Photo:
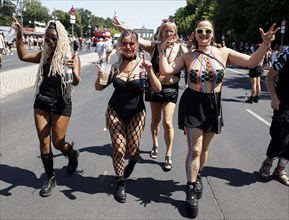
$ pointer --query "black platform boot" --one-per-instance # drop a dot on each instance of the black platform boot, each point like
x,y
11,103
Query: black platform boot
x,y
191,200
46,190
72,156
120,194
199,186
250,99
256,99
129,168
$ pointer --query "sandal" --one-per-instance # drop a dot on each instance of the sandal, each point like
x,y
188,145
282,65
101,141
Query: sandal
x,y
281,177
168,163
264,171
154,152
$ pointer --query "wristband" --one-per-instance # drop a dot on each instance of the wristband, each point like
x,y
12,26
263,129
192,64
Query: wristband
x,y
163,51
266,43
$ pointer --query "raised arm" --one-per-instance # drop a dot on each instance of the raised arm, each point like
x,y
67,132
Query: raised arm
x,y
144,44
244,60
33,57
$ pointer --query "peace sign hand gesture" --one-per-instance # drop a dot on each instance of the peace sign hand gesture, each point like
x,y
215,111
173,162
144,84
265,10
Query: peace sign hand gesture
x,y
270,35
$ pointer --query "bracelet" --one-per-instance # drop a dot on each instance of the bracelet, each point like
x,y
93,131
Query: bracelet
x,y
266,43
163,50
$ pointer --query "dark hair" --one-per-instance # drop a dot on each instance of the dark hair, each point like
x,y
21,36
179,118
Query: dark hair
x,y
52,25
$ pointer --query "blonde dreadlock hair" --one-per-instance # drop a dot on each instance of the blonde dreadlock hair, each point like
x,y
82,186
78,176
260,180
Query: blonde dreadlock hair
x,y
58,59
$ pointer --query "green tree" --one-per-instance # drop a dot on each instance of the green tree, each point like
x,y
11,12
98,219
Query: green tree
x,y
7,8
34,11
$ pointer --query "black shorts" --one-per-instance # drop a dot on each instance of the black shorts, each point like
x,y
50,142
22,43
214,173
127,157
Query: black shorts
x,y
255,72
51,105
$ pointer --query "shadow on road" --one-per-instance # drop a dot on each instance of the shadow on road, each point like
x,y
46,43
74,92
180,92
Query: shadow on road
x,y
235,177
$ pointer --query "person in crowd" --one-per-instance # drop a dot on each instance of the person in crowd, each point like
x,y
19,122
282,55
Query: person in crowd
x,y
279,130
2,48
108,49
100,49
254,75
275,53
126,111
165,101
52,105
88,44
200,113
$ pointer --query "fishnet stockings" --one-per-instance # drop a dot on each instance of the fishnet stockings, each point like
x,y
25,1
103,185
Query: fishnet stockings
x,y
125,137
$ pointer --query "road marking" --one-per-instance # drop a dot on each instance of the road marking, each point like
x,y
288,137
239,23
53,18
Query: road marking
x,y
7,61
234,70
258,117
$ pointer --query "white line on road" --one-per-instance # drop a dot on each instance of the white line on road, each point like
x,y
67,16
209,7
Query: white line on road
x,y
259,118
234,70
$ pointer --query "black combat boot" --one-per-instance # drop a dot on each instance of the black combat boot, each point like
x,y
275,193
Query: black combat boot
x,y
250,99
256,99
46,190
199,186
120,194
72,156
191,200
129,168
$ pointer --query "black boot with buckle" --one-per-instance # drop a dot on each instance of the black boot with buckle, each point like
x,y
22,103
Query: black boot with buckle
x,y
250,99
46,190
199,186
120,194
191,200
72,156
129,168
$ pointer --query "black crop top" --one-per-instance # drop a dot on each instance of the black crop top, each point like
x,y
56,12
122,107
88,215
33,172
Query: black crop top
x,y
51,85
155,62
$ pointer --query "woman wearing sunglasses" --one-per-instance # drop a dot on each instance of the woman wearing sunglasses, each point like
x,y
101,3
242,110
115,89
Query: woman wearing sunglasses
x,y
52,105
201,119
165,101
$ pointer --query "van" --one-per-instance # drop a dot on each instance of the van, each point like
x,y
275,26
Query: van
x,y
115,39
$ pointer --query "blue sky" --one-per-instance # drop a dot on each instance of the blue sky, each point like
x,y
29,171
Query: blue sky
x,y
134,13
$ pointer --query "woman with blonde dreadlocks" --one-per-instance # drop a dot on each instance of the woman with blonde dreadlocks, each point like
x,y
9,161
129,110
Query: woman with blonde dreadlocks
x,y
52,105
126,109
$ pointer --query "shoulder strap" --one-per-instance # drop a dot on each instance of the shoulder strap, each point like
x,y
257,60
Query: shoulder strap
x,y
211,57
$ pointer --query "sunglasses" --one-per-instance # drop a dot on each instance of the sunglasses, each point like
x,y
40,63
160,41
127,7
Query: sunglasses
x,y
125,44
168,20
49,39
204,31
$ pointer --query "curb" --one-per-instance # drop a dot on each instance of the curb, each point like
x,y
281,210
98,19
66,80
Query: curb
x,y
13,81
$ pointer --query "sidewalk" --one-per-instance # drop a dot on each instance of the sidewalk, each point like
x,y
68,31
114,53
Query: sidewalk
x,y
13,81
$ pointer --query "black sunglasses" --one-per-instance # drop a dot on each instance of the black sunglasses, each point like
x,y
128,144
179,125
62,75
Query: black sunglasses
x,y
49,39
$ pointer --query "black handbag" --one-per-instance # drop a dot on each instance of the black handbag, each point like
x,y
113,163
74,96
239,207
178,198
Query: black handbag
x,y
218,117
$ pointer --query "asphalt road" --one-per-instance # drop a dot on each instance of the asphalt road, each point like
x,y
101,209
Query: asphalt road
x,y
232,187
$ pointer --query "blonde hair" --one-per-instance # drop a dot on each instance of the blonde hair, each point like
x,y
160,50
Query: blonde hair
x,y
134,37
59,55
170,25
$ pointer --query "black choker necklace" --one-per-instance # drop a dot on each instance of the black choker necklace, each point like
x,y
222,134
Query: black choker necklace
x,y
129,58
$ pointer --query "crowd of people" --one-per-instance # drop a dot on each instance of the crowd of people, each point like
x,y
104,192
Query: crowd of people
x,y
200,113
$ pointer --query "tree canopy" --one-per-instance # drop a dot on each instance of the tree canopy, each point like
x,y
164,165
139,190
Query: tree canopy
x,y
235,20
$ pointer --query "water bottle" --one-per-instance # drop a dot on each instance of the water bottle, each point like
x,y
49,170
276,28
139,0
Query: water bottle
x,y
10,35
143,78
68,71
